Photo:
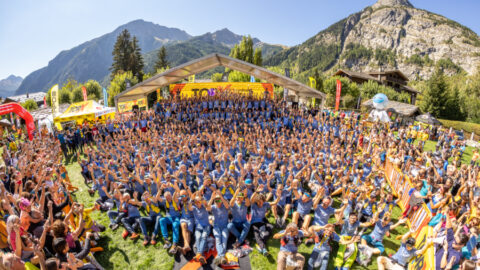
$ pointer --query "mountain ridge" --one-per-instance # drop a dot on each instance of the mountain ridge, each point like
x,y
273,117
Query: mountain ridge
x,y
391,34
9,85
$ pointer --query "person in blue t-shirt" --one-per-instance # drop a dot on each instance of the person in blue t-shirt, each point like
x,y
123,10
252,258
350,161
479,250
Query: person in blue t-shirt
x,y
323,236
259,224
150,204
219,207
239,226
130,207
404,254
290,239
174,211
381,228
202,227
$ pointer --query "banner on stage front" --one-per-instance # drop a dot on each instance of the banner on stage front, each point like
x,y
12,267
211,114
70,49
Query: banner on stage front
x,y
128,105
186,90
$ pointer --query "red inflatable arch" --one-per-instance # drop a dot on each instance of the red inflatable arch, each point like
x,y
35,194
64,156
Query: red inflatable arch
x,y
20,111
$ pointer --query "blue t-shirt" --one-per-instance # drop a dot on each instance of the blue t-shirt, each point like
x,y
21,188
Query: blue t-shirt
x,y
288,242
221,215
379,231
322,242
201,216
239,213
403,255
258,213
322,215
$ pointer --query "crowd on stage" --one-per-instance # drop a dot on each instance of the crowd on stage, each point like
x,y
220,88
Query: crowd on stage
x,y
226,172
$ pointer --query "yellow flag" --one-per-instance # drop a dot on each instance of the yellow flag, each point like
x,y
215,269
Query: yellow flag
x,y
313,82
191,79
54,100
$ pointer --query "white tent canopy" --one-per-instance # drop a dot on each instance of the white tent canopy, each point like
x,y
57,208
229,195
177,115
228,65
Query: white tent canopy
x,y
178,73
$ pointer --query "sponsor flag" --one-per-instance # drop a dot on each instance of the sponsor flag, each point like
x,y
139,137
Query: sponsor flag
x,y
313,82
45,101
339,92
84,91
54,99
158,94
252,79
105,97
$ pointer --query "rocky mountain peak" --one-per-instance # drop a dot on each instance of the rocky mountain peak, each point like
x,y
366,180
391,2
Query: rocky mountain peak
x,y
392,3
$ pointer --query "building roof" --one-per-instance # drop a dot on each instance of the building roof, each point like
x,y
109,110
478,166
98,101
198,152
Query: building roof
x,y
404,109
355,74
396,71
42,113
409,89
178,73
37,97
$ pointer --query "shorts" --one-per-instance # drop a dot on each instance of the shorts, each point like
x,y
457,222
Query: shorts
x,y
376,244
392,265
280,210
144,129
190,224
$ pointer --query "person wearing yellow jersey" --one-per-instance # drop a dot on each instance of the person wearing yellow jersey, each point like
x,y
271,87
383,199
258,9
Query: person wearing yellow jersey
x,y
174,212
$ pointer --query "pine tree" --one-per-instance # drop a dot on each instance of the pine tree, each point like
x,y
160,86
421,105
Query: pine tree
x,y
127,56
161,59
435,97
257,57
137,59
122,51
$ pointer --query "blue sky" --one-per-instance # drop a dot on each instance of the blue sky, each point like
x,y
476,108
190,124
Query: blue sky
x,y
32,32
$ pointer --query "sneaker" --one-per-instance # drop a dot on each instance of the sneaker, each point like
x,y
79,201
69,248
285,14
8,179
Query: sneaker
x,y
236,245
134,236
145,242
153,242
167,244
125,234
114,226
216,261
283,222
173,250
265,252
223,260
278,222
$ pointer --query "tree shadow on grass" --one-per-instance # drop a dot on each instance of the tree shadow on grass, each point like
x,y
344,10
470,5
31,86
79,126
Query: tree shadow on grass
x,y
104,256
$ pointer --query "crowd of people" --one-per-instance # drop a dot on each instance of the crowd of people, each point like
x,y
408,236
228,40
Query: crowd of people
x,y
240,170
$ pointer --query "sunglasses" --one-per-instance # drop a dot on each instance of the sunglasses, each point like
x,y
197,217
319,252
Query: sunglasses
x,y
218,201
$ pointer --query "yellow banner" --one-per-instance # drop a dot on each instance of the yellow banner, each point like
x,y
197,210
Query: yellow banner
x,y
128,105
54,100
187,90
427,259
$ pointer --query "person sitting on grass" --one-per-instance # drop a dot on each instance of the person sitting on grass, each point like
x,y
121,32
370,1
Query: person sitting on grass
x,y
219,207
174,212
132,215
381,228
290,239
323,236
259,223
346,254
150,204
187,222
403,255
239,226
202,226
282,208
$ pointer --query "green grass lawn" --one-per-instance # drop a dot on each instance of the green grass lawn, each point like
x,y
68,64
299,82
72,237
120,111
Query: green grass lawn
x,y
466,157
127,254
